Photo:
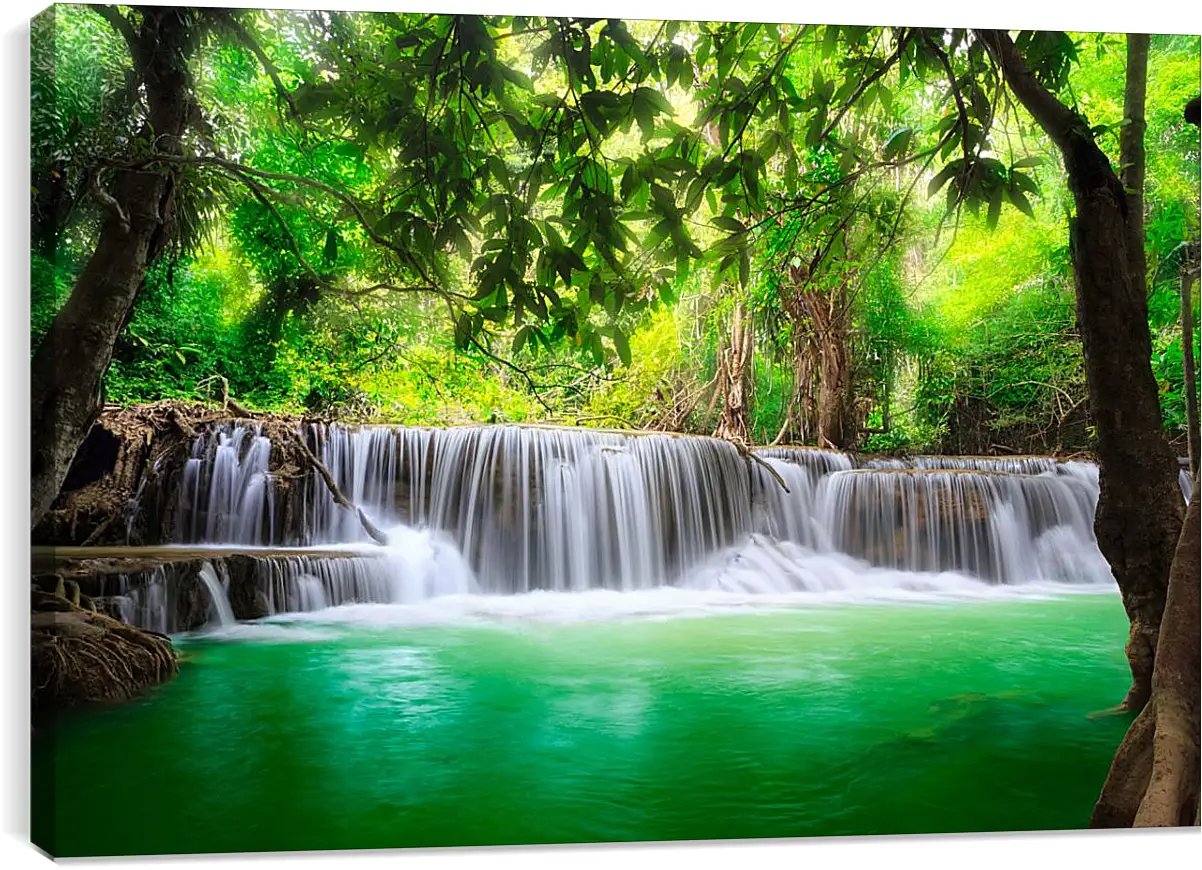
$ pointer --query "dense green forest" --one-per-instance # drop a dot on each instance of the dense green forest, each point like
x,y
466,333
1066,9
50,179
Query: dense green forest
x,y
688,226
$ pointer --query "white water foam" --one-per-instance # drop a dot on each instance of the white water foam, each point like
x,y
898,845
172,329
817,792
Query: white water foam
x,y
759,577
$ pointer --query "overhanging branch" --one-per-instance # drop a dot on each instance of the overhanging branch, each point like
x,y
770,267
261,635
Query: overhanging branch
x,y
1058,120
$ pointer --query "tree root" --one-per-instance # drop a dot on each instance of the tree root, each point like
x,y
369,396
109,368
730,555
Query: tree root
x,y
81,657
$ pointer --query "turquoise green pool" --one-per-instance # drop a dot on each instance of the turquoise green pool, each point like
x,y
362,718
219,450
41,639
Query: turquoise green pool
x,y
373,727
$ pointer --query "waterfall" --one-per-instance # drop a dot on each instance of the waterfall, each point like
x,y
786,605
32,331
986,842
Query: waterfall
x,y
514,509
1002,527
226,492
529,508
139,600
219,602
1001,464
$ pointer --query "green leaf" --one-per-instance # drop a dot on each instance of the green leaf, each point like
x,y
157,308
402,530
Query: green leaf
x,y
463,332
518,77
1027,162
1024,182
520,339
1020,201
897,143
657,101
995,208
621,346
942,177
830,39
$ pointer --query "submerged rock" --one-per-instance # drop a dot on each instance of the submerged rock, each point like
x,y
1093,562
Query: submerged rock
x,y
80,657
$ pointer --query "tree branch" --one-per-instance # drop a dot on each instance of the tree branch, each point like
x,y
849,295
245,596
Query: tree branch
x,y
108,203
124,27
343,197
248,40
866,83
1060,122
339,498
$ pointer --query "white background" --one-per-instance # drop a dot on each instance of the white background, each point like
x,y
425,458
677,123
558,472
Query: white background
x,y
1086,849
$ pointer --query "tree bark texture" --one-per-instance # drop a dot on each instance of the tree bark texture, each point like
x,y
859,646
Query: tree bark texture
x,y
822,374
1189,274
1140,507
734,379
1131,154
1154,779
69,365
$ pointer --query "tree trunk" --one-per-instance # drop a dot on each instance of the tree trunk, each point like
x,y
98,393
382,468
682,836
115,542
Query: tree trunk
x,y
1140,508
1189,273
832,392
830,318
734,380
69,366
799,417
1131,155
1153,781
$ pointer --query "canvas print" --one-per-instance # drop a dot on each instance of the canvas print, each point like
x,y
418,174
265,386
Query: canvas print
x,y
458,430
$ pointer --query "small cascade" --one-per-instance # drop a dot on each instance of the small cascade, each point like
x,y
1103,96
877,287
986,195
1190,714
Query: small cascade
x,y
293,584
1000,464
787,512
168,598
817,460
140,601
988,525
885,462
311,593
215,592
1186,483
226,493
222,614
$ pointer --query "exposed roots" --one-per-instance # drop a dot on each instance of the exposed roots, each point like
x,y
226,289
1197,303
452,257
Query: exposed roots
x,y
82,657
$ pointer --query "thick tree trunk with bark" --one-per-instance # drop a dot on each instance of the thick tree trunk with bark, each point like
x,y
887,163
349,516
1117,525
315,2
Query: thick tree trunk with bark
x,y
734,380
833,392
799,421
822,385
1153,781
1189,274
69,366
1140,508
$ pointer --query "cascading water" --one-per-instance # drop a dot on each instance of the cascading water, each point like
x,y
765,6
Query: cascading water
x,y
1002,527
219,603
510,509
542,508
226,492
